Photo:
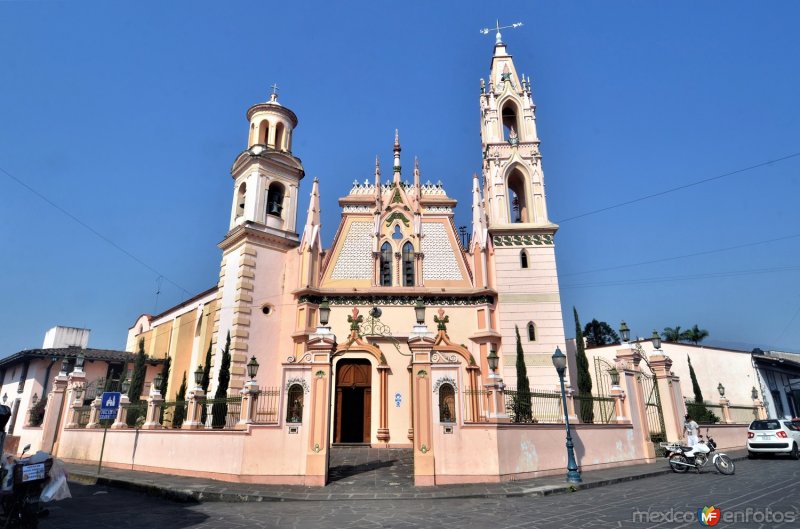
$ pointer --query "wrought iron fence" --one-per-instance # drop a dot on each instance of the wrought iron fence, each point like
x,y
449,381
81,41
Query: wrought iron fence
x,y
134,413
84,414
266,410
475,405
593,409
743,414
536,406
704,413
172,413
223,413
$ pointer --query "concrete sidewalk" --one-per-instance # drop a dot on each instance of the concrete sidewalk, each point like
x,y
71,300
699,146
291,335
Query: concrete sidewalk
x,y
181,488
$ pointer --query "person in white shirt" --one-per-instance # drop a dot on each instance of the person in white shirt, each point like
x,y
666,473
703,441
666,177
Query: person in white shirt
x,y
690,428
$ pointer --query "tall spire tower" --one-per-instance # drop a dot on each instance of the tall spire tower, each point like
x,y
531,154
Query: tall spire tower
x,y
517,225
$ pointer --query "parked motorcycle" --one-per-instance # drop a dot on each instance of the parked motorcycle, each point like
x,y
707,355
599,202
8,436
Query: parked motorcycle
x,y
23,483
682,458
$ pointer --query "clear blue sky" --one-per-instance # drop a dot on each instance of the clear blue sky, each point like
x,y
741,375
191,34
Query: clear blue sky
x,y
130,114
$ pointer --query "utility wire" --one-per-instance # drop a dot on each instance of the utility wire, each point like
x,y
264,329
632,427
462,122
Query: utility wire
x,y
676,257
664,279
91,229
678,188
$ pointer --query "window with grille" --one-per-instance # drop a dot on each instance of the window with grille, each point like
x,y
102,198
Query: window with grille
x,y
408,265
447,403
294,404
386,265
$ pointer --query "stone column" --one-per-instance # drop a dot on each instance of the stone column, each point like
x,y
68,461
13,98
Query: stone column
x,y
51,423
761,411
619,405
76,384
725,405
496,391
424,469
249,395
474,399
661,365
120,422
94,415
383,426
194,409
321,345
627,364
573,417
154,401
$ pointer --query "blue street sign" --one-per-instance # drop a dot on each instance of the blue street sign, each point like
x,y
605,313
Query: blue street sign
x,y
109,404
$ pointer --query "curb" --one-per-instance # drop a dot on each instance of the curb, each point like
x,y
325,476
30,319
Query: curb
x,y
196,496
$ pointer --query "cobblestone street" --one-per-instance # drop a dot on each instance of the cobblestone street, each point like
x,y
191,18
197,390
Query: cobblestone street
x,y
760,485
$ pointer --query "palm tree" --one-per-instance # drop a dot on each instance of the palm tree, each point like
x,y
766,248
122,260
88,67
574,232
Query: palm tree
x,y
696,334
674,334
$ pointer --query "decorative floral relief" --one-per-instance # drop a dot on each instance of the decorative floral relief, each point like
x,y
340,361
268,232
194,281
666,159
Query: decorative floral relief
x,y
444,380
301,381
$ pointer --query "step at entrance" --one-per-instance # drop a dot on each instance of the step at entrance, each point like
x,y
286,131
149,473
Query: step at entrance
x,y
360,465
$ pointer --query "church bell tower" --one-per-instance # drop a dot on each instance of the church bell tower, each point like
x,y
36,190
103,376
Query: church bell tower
x,y
517,225
257,250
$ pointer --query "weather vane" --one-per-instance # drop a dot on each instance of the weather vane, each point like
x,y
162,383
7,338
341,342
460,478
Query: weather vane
x,y
497,28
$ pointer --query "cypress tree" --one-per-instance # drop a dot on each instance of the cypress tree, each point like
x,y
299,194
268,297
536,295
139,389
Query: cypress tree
x,y
698,395
220,409
698,409
137,378
522,400
205,382
137,385
164,383
584,377
180,404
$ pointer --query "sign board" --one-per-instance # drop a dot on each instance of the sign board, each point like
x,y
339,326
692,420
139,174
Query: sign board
x,y
32,472
109,404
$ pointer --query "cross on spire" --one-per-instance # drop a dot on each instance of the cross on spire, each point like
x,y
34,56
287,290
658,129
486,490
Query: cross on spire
x,y
497,28
274,96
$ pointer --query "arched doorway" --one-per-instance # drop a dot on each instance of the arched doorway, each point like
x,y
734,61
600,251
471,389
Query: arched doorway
x,y
352,422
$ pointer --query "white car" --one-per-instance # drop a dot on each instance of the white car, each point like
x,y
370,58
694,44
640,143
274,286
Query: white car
x,y
773,436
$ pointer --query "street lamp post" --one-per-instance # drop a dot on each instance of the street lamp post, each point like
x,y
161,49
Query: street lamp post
x,y
560,363
624,332
656,339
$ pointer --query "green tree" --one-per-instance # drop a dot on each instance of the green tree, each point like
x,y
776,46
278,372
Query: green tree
x,y
522,399
696,334
137,385
598,333
698,395
674,334
220,409
180,404
204,383
164,383
698,410
586,409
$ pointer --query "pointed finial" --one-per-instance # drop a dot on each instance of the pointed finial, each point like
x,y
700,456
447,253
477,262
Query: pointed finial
x,y
497,37
396,155
416,171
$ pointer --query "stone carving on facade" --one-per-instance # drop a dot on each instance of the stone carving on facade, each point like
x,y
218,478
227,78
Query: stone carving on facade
x,y
444,380
440,259
355,259
523,240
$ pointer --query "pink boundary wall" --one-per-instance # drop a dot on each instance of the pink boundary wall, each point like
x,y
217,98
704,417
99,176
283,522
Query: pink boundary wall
x,y
260,454
505,452
727,436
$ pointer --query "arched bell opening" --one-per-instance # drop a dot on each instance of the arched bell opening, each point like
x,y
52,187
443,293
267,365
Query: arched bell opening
x,y
517,197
